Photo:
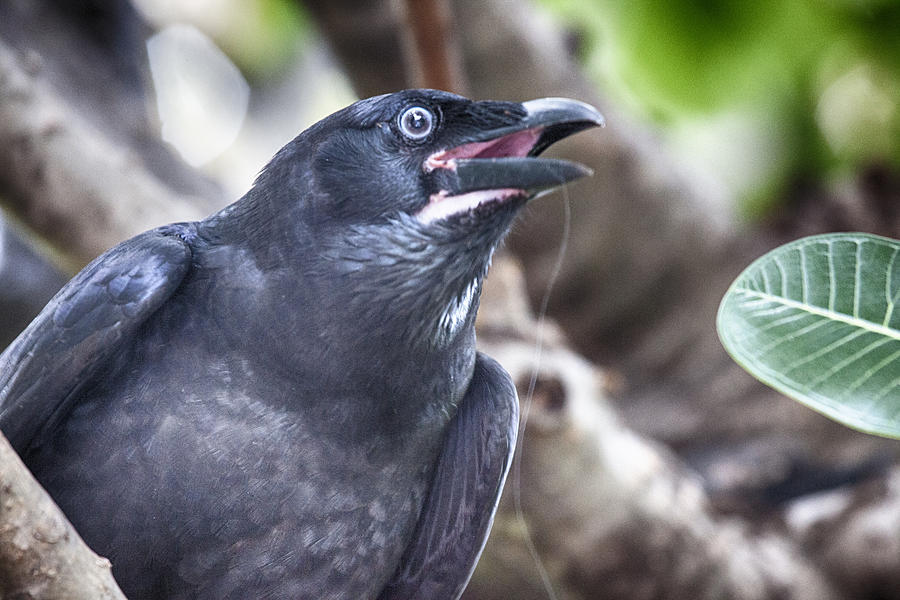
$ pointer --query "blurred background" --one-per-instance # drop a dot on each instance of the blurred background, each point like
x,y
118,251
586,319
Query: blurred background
x,y
652,466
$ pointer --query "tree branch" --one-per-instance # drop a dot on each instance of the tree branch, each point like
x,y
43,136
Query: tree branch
x,y
611,514
432,56
80,189
41,554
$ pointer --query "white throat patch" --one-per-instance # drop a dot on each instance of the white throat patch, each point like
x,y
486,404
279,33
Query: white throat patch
x,y
454,315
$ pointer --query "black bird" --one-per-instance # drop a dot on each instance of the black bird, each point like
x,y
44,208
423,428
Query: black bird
x,y
284,400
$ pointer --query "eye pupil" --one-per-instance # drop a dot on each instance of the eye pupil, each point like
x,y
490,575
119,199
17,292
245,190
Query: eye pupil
x,y
416,122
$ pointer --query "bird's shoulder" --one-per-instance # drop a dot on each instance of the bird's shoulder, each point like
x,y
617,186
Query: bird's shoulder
x,y
84,324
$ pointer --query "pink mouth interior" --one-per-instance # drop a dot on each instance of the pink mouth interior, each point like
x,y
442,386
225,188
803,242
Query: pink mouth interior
x,y
442,204
519,143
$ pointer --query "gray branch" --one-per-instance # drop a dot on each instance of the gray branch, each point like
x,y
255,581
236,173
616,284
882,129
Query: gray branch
x,y
66,178
41,555
611,514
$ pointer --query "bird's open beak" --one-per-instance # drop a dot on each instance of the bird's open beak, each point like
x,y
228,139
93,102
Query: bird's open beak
x,y
502,163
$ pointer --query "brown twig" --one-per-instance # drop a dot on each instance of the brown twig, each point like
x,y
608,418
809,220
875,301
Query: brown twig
x,y
433,59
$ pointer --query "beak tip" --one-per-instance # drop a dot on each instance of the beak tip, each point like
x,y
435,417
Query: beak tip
x,y
579,171
565,109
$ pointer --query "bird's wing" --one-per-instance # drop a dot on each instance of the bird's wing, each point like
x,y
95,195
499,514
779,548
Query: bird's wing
x,y
80,329
459,510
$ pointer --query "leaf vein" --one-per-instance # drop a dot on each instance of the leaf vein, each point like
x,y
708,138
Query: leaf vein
x,y
794,316
832,279
794,335
871,372
783,274
847,361
804,283
886,389
857,279
888,284
824,350
828,313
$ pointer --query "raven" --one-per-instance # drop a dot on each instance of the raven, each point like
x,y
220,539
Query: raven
x,y
284,399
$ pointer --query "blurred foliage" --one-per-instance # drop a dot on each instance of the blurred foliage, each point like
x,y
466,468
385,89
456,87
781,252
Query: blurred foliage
x,y
757,93
265,37
262,37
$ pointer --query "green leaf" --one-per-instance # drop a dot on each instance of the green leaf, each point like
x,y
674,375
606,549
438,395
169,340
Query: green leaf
x,y
818,319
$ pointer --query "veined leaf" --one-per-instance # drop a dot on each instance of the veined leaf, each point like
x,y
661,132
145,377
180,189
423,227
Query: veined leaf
x,y
819,320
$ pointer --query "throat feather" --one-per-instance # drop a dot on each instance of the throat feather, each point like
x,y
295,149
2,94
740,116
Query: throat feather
x,y
457,310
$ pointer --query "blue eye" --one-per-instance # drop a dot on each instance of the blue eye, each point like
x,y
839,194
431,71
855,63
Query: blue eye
x,y
416,122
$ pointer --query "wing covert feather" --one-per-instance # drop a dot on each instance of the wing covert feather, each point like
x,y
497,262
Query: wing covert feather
x,y
464,493
80,328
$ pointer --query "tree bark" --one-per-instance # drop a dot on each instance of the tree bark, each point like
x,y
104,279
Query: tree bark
x,y
41,555
610,514
68,180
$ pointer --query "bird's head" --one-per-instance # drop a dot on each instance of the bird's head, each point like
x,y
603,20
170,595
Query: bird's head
x,y
404,197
